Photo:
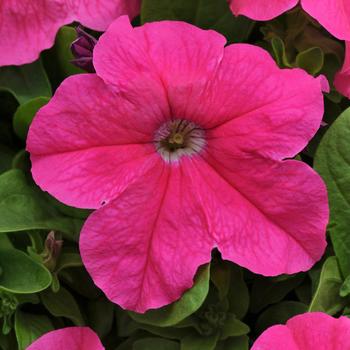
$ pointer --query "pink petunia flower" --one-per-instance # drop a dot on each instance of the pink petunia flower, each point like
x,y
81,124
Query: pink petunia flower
x,y
179,142
28,27
332,14
342,78
308,331
71,338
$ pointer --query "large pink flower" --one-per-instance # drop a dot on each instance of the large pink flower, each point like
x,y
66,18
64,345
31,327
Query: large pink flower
x,y
179,143
72,338
29,26
309,331
332,14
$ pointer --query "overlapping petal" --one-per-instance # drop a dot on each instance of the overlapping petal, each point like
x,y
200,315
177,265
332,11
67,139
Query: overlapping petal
x,y
331,14
29,27
71,338
261,10
88,143
307,332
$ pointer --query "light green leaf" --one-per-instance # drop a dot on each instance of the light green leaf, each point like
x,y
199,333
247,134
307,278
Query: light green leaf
x,y
25,114
25,82
332,162
62,304
326,298
21,274
176,312
311,60
30,327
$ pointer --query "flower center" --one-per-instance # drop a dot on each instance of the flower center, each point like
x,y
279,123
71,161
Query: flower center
x,y
178,138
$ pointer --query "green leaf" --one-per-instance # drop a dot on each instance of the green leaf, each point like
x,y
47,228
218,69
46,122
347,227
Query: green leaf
x,y
233,327
25,114
30,327
238,295
345,288
199,342
311,60
332,161
101,316
155,344
326,297
267,291
25,82
176,312
24,208
279,52
62,304
21,274
6,156
65,36
68,259
207,14
279,314
234,343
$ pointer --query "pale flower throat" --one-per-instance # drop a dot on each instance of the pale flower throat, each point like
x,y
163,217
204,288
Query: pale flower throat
x,y
177,138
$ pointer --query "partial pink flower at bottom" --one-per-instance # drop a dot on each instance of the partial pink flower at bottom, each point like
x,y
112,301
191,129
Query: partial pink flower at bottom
x,y
71,338
28,27
331,14
180,143
310,331
342,78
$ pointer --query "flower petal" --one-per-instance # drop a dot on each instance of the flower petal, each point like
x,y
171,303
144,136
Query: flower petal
x,y
342,78
261,10
88,143
28,27
71,338
99,14
307,332
275,213
170,62
144,248
332,14
258,108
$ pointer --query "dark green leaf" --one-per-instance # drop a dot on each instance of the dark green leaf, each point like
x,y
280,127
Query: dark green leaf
x,y
199,342
62,304
30,327
24,207
233,327
155,344
234,343
101,316
25,82
207,14
279,314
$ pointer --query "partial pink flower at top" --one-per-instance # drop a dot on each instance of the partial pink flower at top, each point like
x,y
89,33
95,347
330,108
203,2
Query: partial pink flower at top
x,y
71,338
332,14
180,144
308,331
28,27
342,78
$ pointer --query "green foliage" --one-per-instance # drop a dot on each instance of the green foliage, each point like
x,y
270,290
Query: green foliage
x,y
25,82
207,14
24,207
332,161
